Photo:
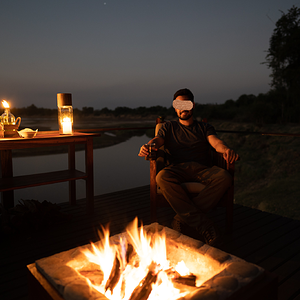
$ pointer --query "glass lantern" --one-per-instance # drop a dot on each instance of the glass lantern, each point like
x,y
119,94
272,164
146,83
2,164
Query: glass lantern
x,y
65,113
7,118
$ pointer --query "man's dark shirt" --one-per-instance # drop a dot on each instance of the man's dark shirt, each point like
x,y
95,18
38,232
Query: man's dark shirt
x,y
187,143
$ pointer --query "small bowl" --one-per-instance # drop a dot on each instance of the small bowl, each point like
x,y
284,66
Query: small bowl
x,y
27,133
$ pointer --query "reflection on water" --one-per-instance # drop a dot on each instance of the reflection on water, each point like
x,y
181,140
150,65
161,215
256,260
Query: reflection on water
x,y
115,168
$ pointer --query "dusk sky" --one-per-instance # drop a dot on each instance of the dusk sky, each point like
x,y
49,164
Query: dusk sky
x,y
134,52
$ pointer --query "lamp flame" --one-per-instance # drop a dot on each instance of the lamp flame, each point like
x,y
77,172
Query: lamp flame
x,y
5,104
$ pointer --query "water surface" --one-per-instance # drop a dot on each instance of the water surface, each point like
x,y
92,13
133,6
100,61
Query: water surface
x,y
116,168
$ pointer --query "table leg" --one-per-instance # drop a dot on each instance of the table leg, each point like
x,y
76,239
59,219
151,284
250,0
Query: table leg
x,y
7,171
90,176
72,183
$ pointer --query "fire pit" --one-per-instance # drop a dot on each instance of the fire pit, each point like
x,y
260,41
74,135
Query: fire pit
x,y
153,262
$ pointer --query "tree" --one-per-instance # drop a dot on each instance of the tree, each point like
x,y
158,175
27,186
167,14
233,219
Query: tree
x,y
284,56
88,110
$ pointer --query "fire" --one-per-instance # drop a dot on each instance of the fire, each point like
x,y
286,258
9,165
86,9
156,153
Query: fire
x,y
5,104
136,267
128,264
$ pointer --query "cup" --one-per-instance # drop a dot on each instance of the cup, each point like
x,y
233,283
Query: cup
x,y
152,152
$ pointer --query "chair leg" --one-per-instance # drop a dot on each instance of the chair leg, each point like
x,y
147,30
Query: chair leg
x,y
153,204
153,213
229,210
229,218
153,191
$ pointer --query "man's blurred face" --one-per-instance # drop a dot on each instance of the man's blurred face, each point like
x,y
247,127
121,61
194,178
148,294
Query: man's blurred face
x,y
184,110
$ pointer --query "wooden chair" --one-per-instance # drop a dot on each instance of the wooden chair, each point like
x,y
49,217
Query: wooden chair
x,y
158,200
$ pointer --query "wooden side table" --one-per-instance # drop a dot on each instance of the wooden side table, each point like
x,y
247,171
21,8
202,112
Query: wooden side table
x,y
9,183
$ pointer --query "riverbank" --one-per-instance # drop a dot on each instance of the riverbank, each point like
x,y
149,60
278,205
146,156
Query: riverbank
x,y
267,175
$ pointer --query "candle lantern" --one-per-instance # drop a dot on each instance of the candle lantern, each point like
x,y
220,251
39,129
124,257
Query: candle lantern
x,y
9,124
65,113
7,118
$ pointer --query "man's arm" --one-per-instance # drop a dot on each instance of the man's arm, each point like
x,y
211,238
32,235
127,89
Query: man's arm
x,y
158,143
228,154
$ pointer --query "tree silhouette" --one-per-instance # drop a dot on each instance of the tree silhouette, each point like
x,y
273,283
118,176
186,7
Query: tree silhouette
x,y
284,56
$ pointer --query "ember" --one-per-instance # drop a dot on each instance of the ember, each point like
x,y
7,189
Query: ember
x,y
151,262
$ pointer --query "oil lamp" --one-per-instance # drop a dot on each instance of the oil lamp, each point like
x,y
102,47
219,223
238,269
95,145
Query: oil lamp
x,y
7,118
9,124
65,113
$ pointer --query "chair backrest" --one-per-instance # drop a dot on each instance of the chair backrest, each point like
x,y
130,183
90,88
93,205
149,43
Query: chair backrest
x,y
157,127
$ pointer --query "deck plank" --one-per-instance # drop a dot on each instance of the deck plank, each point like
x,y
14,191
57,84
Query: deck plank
x,y
268,240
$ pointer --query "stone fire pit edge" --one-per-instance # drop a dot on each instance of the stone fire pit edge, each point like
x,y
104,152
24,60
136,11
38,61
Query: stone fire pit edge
x,y
236,273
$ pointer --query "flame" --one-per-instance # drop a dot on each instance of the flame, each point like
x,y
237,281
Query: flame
x,y
66,120
182,269
148,256
126,264
5,104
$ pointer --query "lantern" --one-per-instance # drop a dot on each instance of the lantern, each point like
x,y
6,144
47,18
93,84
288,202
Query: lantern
x,y
9,124
65,113
7,118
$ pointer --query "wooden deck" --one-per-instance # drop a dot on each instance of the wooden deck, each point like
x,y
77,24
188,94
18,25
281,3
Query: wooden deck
x,y
268,240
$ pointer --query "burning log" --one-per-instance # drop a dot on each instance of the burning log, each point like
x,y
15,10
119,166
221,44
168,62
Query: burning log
x,y
129,253
143,290
189,280
116,271
128,257
132,258
114,275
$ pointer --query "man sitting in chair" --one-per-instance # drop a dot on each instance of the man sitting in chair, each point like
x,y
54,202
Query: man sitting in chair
x,y
186,142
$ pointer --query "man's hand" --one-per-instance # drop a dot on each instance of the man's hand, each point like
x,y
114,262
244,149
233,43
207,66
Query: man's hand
x,y
230,156
144,151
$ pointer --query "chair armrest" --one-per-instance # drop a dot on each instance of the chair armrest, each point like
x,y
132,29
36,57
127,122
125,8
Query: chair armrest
x,y
151,158
218,160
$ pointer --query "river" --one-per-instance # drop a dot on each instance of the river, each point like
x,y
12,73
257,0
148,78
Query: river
x,y
116,168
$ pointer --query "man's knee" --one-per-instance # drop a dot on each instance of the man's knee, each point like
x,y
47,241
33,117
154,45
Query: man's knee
x,y
165,178
160,177
225,177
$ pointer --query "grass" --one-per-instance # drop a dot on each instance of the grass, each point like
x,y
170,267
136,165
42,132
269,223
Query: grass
x,y
268,174
278,196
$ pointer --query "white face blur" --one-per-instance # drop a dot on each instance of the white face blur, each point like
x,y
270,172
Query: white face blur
x,y
184,114
183,105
